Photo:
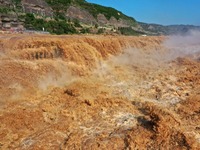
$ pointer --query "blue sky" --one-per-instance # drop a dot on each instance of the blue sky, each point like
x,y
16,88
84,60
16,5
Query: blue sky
x,y
166,12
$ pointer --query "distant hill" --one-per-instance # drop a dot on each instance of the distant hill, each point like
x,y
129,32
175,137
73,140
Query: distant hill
x,y
168,30
74,16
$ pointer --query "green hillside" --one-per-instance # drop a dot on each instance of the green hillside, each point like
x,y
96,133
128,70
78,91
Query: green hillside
x,y
94,9
60,23
77,17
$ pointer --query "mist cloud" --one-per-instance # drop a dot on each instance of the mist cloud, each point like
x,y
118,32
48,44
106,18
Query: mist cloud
x,y
180,46
60,78
140,58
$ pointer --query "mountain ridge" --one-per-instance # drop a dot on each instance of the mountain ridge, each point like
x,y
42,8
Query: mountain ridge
x,y
75,16
180,29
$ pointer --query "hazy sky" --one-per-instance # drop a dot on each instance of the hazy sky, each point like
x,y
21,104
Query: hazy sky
x,y
164,12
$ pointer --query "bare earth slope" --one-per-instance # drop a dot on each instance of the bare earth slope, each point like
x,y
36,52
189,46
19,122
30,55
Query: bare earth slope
x,y
97,92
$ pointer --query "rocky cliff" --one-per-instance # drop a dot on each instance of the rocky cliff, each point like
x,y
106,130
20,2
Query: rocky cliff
x,y
38,7
84,16
86,13
64,17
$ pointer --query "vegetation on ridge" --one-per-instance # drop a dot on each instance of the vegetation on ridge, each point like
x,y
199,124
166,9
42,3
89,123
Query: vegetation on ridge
x,y
53,26
59,23
94,9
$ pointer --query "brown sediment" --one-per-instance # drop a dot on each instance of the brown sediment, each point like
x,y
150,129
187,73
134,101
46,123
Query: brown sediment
x,y
77,92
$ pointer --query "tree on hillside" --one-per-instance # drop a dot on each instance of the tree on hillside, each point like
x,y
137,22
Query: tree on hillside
x,y
15,7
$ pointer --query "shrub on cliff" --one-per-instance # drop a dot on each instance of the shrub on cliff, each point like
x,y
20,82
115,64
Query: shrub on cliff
x,y
129,31
53,26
